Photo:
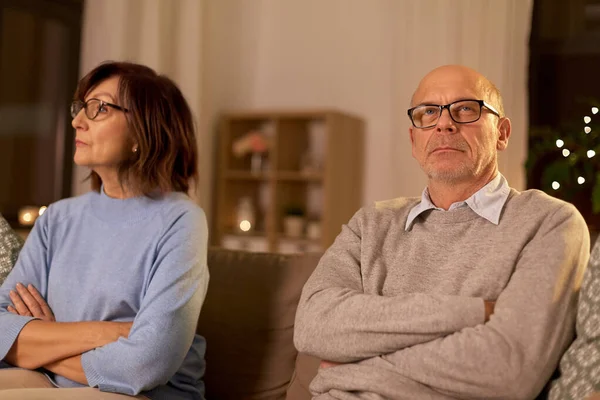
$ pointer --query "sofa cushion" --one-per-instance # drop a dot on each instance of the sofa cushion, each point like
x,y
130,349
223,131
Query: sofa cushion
x,y
248,322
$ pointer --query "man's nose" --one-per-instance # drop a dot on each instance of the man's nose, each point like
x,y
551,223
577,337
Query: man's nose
x,y
446,124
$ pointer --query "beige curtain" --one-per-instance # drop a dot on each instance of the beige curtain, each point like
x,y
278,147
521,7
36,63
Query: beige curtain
x,y
364,57
490,36
163,34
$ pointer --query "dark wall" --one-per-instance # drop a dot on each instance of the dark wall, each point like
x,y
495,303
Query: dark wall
x,y
39,62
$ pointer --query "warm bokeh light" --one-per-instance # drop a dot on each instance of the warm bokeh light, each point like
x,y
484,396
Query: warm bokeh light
x,y
555,185
591,153
245,225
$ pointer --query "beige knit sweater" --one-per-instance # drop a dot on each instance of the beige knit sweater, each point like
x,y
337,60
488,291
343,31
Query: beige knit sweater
x,y
404,309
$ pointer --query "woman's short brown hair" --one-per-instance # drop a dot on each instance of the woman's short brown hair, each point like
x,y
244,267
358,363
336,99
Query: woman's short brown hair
x,y
162,126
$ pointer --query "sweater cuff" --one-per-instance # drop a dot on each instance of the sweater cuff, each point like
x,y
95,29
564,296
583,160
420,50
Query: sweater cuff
x,y
10,328
93,377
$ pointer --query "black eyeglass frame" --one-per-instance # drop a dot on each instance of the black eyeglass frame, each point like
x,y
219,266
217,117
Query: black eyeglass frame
x,y
481,103
84,105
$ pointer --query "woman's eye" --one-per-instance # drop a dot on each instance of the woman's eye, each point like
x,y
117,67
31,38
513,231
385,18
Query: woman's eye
x,y
102,109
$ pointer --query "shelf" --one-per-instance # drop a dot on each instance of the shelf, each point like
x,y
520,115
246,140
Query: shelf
x,y
301,170
298,176
251,242
242,175
291,176
303,239
248,235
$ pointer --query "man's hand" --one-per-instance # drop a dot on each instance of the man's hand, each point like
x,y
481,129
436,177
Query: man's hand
x,y
27,301
489,309
327,364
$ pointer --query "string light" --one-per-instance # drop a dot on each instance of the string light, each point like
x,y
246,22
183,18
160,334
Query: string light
x,y
555,185
566,152
591,153
594,110
587,129
581,180
587,119
560,143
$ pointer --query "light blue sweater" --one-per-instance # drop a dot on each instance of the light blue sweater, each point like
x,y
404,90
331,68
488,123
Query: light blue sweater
x,y
95,258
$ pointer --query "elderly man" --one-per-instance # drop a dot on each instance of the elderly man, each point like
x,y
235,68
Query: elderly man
x,y
466,293
10,245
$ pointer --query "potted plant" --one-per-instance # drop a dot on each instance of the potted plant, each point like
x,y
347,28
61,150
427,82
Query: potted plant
x,y
293,222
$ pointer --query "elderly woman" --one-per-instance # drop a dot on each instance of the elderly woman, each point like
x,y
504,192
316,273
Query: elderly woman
x,y
104,299
579,368
10,244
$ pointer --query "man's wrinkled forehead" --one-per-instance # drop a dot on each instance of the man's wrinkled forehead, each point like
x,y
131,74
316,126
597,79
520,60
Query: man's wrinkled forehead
x,y
446,88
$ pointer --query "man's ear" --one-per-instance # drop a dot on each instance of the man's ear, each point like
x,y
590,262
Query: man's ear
x,y
504,131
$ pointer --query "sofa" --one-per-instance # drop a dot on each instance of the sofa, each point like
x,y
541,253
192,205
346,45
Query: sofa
x,y
248,322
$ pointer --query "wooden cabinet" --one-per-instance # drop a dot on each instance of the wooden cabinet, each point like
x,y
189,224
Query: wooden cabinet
x,y
313,167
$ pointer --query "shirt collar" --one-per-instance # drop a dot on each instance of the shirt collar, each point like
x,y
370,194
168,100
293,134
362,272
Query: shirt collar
x,y
487,202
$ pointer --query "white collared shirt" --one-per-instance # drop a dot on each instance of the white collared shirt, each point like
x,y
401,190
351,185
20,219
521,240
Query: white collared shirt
x,y
487,202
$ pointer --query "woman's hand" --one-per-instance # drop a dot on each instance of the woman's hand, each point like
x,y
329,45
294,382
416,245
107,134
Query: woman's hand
x,y
27,301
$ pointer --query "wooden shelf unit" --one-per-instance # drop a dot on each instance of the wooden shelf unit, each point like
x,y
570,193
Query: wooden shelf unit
x,y
331,190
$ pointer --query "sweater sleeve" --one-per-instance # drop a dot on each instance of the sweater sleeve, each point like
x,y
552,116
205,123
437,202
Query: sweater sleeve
x,y
165,325
31,268
337,321
514,354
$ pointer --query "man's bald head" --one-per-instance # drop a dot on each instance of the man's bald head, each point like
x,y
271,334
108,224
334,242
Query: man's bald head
x,y
460,75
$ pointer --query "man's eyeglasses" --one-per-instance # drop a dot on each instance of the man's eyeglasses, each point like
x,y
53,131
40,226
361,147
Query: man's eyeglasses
x,y
93,107
462,112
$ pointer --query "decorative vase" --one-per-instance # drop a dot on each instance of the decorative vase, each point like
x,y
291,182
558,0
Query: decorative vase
x,y
256,163
313,230
293,226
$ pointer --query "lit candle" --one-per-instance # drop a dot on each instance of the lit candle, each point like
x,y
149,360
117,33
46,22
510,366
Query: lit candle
x,y
28,215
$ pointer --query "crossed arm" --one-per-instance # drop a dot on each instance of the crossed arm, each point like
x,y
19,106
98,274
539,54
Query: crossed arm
x,y
434,340
351,325
52,345
173,298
